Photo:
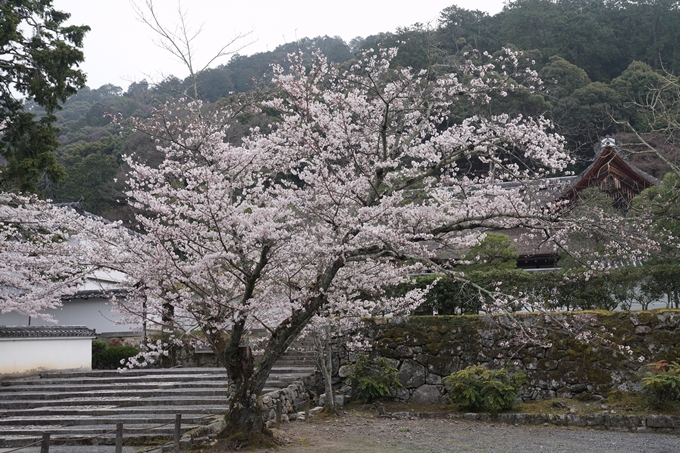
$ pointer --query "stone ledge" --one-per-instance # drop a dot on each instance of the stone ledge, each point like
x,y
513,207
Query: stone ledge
x,y
614,422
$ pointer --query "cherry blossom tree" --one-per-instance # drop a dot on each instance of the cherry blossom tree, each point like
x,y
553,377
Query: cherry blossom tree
x,y
364,178
47,251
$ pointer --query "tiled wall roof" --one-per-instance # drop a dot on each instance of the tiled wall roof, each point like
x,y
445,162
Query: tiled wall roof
x,y
45,331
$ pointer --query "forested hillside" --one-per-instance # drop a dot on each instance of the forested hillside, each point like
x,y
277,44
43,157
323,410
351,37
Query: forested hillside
x,y
597,59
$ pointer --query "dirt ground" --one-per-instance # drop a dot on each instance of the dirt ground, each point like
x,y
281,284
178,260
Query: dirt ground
x,y
364,433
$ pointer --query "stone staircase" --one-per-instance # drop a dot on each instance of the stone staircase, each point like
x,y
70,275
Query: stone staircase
x,y
75,405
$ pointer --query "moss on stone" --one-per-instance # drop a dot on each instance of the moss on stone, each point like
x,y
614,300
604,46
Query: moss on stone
x,y
459,341
433,348
547,364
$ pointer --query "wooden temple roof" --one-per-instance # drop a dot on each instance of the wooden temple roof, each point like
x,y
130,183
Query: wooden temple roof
x,y
613,175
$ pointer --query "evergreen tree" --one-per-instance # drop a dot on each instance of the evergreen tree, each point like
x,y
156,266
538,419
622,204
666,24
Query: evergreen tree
x,y
39,60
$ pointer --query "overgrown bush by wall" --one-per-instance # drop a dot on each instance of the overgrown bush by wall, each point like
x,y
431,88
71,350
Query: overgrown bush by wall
x,y
426,349
106,357
570,289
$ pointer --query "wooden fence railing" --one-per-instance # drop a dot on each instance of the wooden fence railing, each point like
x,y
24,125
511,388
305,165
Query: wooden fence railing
x,y
119,431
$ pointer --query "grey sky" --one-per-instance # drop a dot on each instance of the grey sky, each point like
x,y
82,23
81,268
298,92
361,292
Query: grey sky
x,y
120,49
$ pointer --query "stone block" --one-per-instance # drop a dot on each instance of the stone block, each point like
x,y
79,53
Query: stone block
x,y
427,394
433,379
558,419
662,421
344,371
568,369
442,366
487,334
346,390
412,374
402,395
595,420
421,358
575,420
530,363
547,364
486,343
339,400
564,392
403,351
578,388
393,363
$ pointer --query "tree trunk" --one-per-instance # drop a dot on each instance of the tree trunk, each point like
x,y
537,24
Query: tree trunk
x,y
322,343
245,423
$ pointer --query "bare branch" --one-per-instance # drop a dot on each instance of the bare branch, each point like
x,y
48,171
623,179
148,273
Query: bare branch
x,y
179,42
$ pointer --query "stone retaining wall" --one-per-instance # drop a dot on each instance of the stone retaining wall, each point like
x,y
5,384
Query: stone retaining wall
x,y
293,400
427,349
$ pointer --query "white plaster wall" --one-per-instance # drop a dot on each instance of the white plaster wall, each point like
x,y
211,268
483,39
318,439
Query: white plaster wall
x,y
95,313
26,355
103,279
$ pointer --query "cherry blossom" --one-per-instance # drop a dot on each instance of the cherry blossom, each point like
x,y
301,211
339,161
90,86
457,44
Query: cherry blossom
x,y
47,252
363,178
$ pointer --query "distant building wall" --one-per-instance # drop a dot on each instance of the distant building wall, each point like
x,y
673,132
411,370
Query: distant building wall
x,y
95,313
35,349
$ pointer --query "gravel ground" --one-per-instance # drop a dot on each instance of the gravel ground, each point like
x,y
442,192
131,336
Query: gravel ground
x,y
359,434
364,434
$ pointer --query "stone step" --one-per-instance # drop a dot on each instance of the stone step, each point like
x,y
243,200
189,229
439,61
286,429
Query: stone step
x,y
132,372
121,401
76,420
122,380
291,369
138,393
147,375
105,411
151,373
117,401
298,361
72,406
119,386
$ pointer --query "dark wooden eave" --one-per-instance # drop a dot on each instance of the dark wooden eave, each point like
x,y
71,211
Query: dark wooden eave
x,y
613,175
96,293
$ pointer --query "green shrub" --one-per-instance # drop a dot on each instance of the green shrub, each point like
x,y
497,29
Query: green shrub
x,y
98,347
109,358
373,379
479,388
663,380
567,289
